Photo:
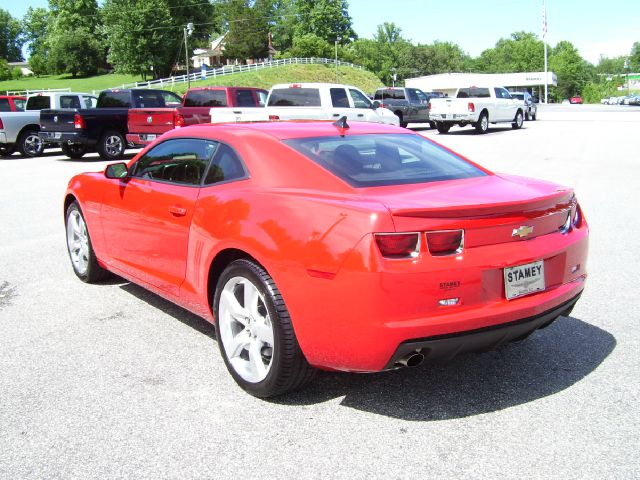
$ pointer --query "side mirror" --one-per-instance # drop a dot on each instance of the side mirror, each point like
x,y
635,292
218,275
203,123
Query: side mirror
x,y
376,104
116,170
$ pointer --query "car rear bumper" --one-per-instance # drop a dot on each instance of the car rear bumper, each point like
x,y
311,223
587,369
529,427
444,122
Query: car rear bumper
x,y
442,348
3,137
140,139
63,137
453,117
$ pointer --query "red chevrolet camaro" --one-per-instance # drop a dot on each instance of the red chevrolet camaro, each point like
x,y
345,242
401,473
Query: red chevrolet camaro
x,y
359,247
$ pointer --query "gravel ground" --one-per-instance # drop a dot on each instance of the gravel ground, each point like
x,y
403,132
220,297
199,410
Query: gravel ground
x,y
110,381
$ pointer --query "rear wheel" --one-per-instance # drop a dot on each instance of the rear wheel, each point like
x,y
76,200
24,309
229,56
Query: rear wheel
x,y
432,124
111,145
30,144
403,124
482,125
443,127
255,333
526,116
518,121
75,150
533,116
83,259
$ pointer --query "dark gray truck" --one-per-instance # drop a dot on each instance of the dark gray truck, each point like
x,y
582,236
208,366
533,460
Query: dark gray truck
x,y
411,105
103,128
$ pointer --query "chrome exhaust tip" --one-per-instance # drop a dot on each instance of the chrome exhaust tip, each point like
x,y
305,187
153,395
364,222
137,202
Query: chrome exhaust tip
x,y
412,359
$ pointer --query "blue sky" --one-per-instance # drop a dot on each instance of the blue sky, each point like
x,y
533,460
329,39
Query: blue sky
x,y
595,27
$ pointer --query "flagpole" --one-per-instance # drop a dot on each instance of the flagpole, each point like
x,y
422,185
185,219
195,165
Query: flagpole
x,y
544,39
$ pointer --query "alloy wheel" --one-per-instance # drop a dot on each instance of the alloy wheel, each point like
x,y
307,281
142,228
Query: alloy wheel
x,y
113,145
78,242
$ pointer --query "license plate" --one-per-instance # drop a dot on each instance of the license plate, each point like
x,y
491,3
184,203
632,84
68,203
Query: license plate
x,y
57,135
149,138
523,279
444,115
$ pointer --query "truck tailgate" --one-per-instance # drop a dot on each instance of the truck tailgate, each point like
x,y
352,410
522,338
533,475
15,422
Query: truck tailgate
x,y
155,121
450,106
60,120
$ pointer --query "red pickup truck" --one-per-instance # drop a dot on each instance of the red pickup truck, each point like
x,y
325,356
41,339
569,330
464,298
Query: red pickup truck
x,y
146,124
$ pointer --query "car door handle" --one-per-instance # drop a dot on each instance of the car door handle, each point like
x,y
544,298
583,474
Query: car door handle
x,y
361,114
336,114
177,211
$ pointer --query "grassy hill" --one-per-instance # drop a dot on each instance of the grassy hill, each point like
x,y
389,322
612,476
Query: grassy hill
x,y
363,79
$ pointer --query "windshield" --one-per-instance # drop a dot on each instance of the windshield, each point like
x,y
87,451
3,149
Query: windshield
x,y
387,159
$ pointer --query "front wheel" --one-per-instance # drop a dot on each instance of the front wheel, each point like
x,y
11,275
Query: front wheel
x,y
518,121
255,333
74,150
111,145
30,144
482,125
533,116
83,259
443,127
403,124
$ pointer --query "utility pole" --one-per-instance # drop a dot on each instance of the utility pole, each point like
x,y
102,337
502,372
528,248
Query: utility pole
x,y
544,39
188,30
338,39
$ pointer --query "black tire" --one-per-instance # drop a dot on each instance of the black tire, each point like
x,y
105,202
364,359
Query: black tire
x,y
533,116
443,127
289,369
93,272
29,144
518,121
432,125
111,145
75,150
482,125
526,116
7,150
403,124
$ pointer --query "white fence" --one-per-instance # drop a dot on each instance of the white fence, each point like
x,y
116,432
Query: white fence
x,y
24,93
231,69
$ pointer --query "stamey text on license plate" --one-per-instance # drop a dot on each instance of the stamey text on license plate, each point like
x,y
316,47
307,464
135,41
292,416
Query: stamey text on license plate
x,y
523,279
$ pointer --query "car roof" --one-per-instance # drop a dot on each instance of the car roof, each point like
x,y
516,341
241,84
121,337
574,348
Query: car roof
x,y
193,89
311,85
289,129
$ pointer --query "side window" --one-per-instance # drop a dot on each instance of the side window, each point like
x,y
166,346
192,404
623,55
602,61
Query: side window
x,y
360,100
413,95
171,99
339,98
19,103
505,94
90,102
262,97
182,161
69,101
244,98
4,105
225,166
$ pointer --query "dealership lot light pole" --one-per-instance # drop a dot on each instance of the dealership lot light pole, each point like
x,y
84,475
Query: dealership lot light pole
x,y
188,30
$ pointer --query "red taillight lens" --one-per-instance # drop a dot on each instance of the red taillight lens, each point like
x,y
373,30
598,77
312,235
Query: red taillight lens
x,y
78,121
398,245
429,106
382,105
446,242
273,118
1,124
576,218
471,107
178,120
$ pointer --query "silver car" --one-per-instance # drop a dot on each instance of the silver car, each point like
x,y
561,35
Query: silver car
x,y
530,108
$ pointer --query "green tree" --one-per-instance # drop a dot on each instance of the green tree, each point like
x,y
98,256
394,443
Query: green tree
x,y
283,23
11,39
572,70
310,45
610,66
439,57
522,52
395,53
328,19
5,70
248,35
75,45
634,58
35,27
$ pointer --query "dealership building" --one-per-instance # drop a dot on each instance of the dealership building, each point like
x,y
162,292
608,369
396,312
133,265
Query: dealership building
x,y
448,83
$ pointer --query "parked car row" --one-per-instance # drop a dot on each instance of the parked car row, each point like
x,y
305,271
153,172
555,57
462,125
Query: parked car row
x,y
622,100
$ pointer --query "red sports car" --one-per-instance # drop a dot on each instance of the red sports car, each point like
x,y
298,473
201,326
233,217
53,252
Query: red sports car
x,y
576,99
359,247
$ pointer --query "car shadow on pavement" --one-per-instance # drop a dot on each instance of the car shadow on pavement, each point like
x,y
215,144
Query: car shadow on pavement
x,y
550,361
95,158
185,316
471,131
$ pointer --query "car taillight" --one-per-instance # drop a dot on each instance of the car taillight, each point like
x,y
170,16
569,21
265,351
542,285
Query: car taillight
x,y
178,120
429,106
398,245
445,242
78,121
382,105
576,220
471,107
273,118
1,124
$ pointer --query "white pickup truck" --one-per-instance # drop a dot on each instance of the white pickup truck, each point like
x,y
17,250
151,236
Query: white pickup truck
x,y
20,129
477,106
310,101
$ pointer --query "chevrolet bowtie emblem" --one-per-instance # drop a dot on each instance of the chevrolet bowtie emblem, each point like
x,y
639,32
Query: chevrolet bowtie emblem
x,y
522,231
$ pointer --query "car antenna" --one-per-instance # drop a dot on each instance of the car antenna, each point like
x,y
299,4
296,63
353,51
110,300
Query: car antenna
x,y
342,122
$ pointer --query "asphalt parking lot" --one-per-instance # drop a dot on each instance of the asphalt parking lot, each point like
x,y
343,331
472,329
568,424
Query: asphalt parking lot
x,y
110,381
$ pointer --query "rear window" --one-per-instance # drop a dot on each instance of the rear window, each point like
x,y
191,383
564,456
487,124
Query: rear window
x,y
244,98
4,105
114,100
389,159
19,103
390,94
206,98
295,97
473,92
69,101
38,103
